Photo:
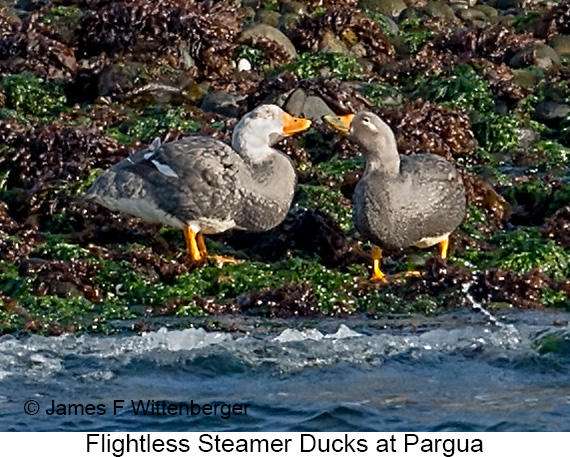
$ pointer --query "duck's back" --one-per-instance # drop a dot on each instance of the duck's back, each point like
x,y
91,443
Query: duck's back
x,y
179,182
424,202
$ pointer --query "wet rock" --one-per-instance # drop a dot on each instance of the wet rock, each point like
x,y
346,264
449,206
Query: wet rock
x,y
527,138
222,103
263,31
526,78
390,23
459,5
294,7
507,4
310,107
288,22
315,108
551,113
541,55
489,11
330,43
295,102
30,5
439,10
268,17
472,16
391,8
561,44
119,78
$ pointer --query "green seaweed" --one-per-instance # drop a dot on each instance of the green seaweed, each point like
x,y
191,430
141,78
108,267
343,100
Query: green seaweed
x,y
534,192
57,248
498,133
152,122
335,169
560,198
382,95
327,200
11,283
271,5
311,65
554,155
413,34
464,88
468,90
62,16
476,224
553,343
523,250
29,94
252,55
555,299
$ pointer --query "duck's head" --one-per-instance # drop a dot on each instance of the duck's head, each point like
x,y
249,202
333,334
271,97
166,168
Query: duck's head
x,y
364,127
259,129
372,133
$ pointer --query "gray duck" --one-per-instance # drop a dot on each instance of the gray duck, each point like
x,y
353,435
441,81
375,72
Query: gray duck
x,y
203,186
401,201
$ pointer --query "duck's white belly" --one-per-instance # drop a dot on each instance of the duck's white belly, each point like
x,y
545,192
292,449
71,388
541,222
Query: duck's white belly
x,y
430,241
147,210
210,226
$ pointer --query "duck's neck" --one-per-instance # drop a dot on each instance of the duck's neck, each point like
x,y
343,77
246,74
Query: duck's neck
x,y
271,171
271,193
252,145
382,156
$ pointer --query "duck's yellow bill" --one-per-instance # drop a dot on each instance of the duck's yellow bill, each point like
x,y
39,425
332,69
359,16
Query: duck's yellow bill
x,y
294,124
340,123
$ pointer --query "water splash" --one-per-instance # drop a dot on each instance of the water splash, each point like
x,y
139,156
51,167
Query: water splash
x,y
509,334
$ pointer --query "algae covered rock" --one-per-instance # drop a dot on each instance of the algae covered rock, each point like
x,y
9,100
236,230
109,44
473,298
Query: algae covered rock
x,y
263,31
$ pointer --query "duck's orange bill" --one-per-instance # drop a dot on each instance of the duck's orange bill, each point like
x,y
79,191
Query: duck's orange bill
x,y
340,123
294,124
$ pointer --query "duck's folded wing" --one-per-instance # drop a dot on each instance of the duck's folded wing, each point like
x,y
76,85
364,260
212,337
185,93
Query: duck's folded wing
x,y
194,177
439,188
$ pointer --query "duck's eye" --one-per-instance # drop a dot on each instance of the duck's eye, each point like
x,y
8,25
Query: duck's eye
x,y
366,120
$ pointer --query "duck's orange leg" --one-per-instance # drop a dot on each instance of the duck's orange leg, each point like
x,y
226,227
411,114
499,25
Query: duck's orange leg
x,y
191,245
377,274
443,248
201,245
204,252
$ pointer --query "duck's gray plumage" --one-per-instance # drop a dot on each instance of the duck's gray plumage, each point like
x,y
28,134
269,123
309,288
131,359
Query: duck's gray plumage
x,y
403,201
425,200
199,182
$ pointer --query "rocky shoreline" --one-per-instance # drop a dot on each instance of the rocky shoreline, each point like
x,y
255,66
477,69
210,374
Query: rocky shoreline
x,y
85,83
